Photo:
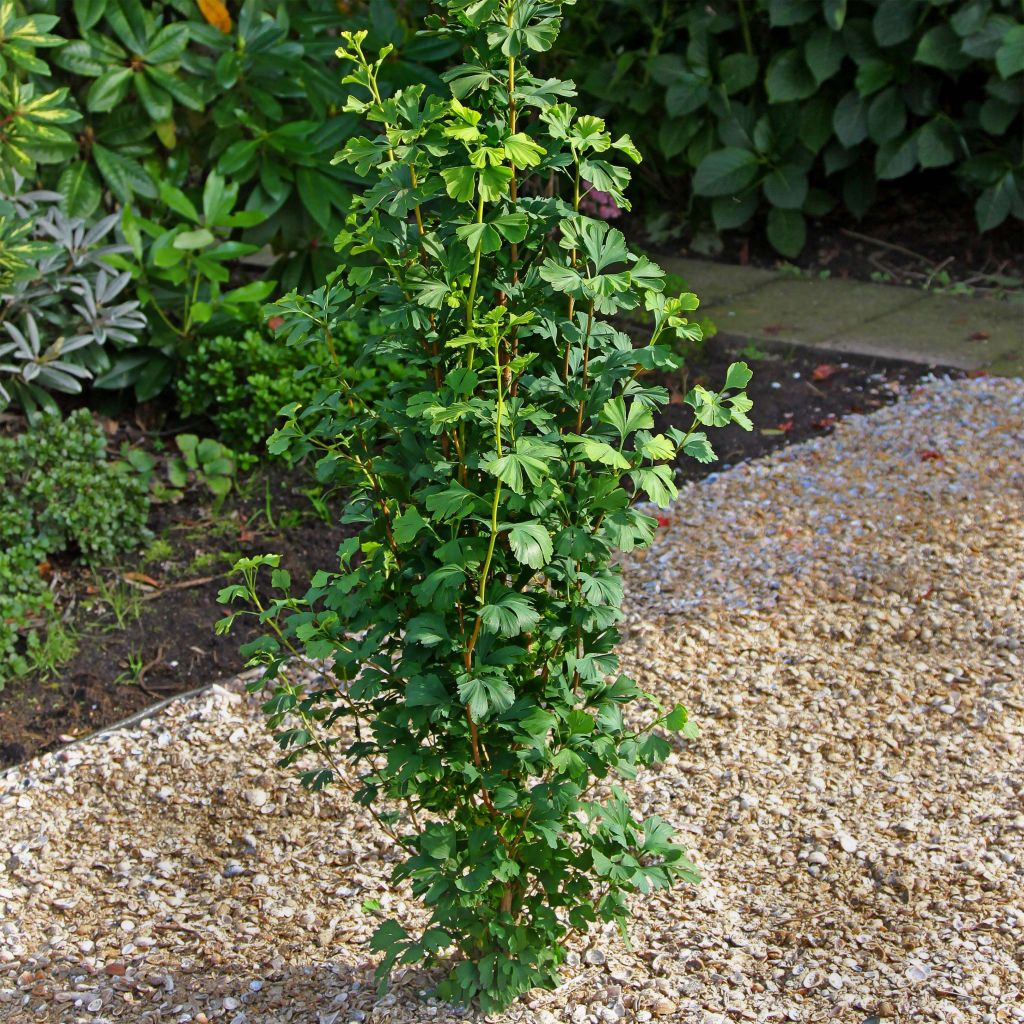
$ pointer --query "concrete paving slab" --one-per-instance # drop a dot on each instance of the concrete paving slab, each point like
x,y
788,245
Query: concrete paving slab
x,y
754,304
968,333
716,282
805,311
1008,366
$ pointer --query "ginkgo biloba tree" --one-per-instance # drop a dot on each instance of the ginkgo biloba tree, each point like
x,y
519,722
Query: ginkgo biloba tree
x,y
472,698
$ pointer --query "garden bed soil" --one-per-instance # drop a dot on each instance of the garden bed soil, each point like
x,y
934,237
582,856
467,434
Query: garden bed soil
x,y
171,647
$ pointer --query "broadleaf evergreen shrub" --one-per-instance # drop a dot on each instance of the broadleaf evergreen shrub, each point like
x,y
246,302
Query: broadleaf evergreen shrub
x,y
142,108
242,383
472,699
64,316
59,493
783,108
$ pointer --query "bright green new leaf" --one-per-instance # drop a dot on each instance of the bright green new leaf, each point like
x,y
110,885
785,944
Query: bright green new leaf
x,y
531,544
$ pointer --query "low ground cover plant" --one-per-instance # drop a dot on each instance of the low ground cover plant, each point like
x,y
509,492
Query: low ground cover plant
x,y
59,495
471,696
784,108
241,382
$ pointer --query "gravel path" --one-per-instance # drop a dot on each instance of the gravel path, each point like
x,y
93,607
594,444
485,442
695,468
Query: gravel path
x,y
845,618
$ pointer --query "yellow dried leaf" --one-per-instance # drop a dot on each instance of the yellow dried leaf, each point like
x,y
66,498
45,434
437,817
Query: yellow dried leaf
x,y
216,13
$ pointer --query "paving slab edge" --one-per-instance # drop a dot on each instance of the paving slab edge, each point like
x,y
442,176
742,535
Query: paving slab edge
x,y
723,285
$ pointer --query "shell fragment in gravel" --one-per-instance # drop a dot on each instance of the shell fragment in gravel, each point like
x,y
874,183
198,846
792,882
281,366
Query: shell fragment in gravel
x,y
846,621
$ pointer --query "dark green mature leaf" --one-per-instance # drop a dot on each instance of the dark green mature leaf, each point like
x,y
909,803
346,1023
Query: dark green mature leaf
x,y
887,116
936,143
859,190
788,78
940,47
1010,55
786,187
894,21
428,630
486,696
791,12
738,71
426,692
896,157
996,116
823,53
984,44
835,13
873,75
124,176
850,120
787,231
88,12
995,203
81,192
509,614
733,211
109,89
388,933
725,172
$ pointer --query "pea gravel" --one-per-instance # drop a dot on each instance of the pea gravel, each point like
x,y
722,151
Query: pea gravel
x,y
845,619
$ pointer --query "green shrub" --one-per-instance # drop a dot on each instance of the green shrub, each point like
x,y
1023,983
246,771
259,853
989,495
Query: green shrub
x,y
211,128
249,91
58,494
242,383
34,117
781,107
63,315
469,633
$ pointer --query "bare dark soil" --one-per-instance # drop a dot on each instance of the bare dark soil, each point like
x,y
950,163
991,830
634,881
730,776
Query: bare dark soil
x,y
797,393
171,647
923,234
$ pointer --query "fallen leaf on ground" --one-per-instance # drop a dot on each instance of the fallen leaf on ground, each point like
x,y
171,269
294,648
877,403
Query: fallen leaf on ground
x,y
141,577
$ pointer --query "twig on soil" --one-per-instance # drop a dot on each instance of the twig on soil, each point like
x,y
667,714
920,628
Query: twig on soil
x,y
181,585
140,679
886,245
876,261
937,269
